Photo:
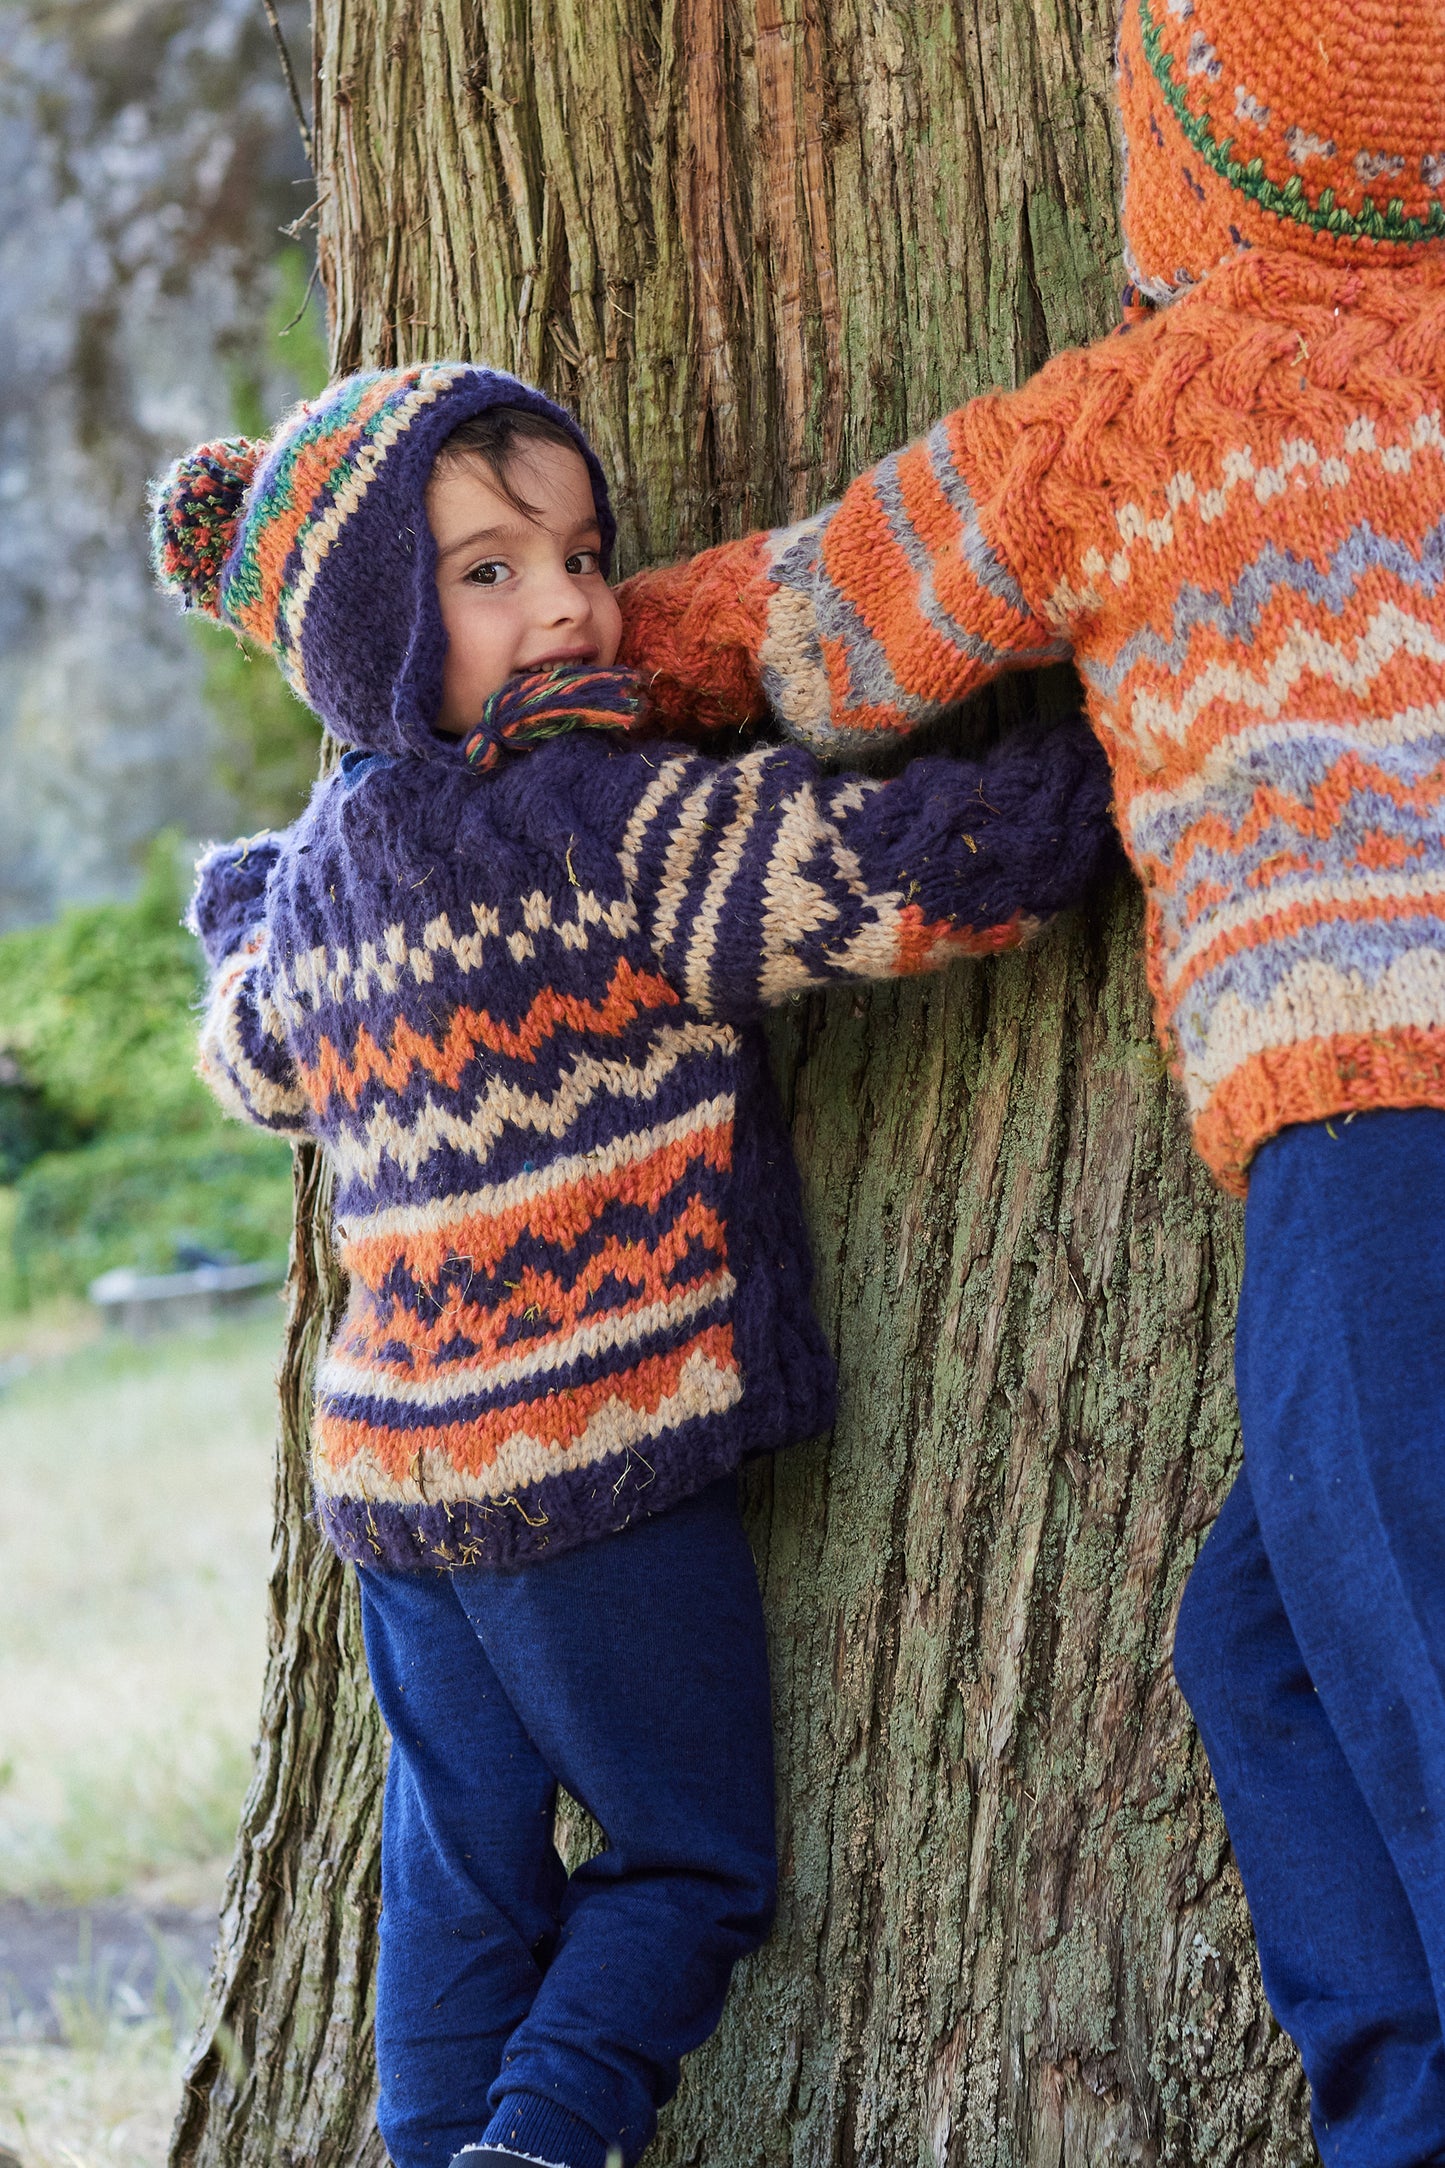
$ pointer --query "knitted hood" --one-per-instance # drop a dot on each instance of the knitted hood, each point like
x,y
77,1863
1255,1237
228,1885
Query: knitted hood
x,y
316,542
1319,128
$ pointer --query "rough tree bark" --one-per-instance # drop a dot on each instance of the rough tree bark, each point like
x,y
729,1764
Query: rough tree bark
x,y
756,244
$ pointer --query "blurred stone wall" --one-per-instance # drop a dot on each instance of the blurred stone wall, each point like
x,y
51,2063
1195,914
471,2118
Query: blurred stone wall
x,y
148,157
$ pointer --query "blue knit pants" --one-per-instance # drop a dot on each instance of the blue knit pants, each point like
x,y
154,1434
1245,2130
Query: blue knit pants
x,y
1311,1640
517,2007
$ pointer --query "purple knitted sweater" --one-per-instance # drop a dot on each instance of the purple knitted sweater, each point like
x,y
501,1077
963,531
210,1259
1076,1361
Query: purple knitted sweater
x,y
519,1009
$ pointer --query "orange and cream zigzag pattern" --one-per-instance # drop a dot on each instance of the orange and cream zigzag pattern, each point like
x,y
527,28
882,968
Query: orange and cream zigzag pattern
x,y
1233,518
564,1195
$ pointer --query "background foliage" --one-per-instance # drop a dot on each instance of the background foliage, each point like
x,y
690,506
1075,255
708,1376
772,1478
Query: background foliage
x,y
112,1150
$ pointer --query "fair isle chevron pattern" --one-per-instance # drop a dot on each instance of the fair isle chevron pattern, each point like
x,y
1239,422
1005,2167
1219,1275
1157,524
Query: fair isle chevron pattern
x,y
1234,518
519,1008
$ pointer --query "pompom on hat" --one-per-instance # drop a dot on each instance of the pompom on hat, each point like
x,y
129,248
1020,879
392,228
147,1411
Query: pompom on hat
x,y
1319,129
196,515
316,542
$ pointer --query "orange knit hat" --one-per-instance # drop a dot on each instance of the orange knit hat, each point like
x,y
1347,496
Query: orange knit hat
x,y
1321,129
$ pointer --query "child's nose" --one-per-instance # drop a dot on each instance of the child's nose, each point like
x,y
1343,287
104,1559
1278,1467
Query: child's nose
x,y
563,602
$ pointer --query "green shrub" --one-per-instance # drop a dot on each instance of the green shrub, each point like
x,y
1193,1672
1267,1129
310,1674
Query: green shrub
x,y
133,1200
115,1150
269,741
96,1011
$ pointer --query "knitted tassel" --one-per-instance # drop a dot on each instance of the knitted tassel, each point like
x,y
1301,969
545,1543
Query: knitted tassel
x,y
542,704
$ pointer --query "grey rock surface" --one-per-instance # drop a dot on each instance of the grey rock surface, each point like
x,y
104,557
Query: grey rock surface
x,y
148,156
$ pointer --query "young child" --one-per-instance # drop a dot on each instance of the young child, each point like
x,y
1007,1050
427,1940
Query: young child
x,y
1233,517
507,968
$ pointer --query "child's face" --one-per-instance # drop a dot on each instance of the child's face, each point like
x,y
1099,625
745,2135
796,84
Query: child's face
x,y
517,593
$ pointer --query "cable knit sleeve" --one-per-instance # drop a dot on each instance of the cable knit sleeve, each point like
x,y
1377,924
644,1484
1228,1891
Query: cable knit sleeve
x,y
244,1057
763,876
868,619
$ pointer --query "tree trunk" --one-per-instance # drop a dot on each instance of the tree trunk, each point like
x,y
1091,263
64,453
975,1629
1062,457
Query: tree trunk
x,y
755,247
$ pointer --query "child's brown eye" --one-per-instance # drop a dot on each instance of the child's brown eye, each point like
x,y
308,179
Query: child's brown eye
x,y
582,561
489,574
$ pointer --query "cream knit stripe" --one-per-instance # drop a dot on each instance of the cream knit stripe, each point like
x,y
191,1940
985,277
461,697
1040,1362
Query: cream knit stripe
x,y
1316,1000
682,848
409,1143
329,975
1302,652
226,1067
790,656
794,907
1297,460
672,773
319,534
704,1387
873,951
527,1191
1238,762
469,1377
726,855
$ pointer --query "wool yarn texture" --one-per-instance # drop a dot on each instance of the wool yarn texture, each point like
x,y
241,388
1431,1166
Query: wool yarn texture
x,y
315,543
1322,130
513,987
538,705
519,1009
1231,517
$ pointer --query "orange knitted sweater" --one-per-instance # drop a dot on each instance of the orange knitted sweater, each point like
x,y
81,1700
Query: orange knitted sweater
x,y
1233,518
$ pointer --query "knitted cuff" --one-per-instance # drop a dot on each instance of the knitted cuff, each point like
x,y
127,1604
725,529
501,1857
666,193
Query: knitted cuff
x,y
693,631
542,2131
230,897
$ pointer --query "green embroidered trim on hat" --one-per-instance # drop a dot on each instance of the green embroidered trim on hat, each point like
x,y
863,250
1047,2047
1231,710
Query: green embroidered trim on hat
x,y
1322,216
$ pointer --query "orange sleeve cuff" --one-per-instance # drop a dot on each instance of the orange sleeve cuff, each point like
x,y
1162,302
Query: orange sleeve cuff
x,y
692,631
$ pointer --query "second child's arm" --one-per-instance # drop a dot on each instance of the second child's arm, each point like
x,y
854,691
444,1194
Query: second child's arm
x,y
763,876
873,616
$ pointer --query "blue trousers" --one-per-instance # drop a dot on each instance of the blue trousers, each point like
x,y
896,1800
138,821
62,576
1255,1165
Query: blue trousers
x,y
1311,1638
514,2006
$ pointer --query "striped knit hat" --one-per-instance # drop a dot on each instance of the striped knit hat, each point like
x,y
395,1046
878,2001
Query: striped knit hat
x,y
1321,128
316,543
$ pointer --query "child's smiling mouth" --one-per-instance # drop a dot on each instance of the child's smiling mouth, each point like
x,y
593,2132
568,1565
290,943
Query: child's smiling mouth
x,y
584,653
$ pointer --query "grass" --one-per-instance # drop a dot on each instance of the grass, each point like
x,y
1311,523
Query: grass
x,y
133,1559
132,1562
106,2102
107,2092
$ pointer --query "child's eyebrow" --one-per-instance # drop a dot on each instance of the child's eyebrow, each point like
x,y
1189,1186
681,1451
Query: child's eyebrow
x,y
480,535
507,532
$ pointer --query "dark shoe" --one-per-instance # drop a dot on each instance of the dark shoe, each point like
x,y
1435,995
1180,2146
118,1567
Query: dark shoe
x,y
493,2156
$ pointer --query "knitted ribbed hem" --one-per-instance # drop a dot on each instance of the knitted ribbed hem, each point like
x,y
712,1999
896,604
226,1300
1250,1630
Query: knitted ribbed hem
x,y
541,2131
1348,1073
542,1520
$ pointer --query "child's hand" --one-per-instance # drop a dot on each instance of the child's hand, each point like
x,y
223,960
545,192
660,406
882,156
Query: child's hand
x,y
230,893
